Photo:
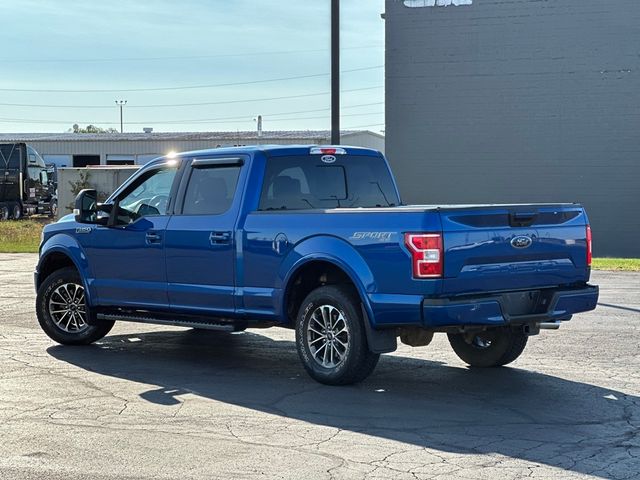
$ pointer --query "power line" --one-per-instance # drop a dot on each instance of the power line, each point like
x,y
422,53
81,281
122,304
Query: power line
x,y
175,57
225,102
322,117
185,87
365,126
269,117
176,122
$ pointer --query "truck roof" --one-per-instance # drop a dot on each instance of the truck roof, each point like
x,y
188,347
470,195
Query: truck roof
x,y
276,150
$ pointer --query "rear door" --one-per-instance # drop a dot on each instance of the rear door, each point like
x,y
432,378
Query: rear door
x,y
201,240
498,248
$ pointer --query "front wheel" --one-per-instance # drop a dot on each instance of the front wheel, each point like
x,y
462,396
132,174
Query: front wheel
x,y
331,337
494,347
62,310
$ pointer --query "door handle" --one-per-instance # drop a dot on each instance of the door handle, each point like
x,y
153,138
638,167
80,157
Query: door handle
x,y
151,237
219,238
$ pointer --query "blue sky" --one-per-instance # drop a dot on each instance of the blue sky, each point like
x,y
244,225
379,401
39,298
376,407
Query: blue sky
x,y
81,45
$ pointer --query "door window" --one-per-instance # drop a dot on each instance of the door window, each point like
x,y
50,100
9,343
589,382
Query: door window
x,y
210,190
147,196
34,173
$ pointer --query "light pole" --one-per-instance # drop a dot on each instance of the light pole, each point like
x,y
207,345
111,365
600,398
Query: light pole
x,y
121,103
335,72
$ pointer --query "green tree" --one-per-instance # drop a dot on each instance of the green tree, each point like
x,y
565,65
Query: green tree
x,y
91,129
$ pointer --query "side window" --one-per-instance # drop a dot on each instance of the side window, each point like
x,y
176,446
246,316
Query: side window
x,y
210,190
34,173
31,155
147,196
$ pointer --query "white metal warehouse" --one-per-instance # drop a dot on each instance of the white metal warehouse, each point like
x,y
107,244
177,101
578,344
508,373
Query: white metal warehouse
x,y
83,149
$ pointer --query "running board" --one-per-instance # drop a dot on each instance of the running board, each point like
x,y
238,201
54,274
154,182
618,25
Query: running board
x,y
193,323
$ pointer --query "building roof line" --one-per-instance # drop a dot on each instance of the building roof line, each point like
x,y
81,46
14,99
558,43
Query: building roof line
x,y
288,135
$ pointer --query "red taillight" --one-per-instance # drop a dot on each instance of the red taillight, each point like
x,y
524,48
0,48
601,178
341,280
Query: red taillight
x,y
589,247
426,254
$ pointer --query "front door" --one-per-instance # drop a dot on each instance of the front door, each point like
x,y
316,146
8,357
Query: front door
x,y
200,239
126,259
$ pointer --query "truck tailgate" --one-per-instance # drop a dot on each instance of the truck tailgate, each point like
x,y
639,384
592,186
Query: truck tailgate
x,y
513,247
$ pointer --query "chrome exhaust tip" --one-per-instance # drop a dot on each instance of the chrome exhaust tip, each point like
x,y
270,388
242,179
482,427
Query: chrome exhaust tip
x,y
550,325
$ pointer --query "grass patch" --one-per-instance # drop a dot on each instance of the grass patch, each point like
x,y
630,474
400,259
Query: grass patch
x,y
619,264
20,236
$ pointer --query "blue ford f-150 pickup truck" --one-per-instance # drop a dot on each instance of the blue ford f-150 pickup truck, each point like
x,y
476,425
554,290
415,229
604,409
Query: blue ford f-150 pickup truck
x,y
315,239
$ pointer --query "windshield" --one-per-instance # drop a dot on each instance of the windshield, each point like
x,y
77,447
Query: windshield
x,y
305,182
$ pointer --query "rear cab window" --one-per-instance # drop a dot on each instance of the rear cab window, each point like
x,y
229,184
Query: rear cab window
x,y
306,183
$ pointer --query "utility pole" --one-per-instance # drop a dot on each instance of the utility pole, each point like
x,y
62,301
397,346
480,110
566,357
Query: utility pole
x,y
335,72
258,120
121,103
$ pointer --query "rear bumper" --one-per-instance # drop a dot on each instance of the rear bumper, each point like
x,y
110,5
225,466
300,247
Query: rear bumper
x,y
512,308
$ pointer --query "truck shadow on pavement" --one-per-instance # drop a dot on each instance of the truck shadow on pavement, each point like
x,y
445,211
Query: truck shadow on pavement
x,y
520,414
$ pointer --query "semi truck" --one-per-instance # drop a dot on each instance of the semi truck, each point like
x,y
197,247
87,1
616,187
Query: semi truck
x,y
24,182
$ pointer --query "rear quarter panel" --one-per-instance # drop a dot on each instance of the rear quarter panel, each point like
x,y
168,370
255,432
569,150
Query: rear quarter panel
x,y
368,246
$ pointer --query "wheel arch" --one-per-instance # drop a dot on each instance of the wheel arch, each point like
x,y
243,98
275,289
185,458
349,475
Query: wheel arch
x,y
310,273
62,251
310,265
337,257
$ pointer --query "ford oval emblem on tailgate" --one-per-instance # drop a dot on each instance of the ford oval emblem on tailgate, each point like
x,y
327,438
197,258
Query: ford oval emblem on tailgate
x,y
521,241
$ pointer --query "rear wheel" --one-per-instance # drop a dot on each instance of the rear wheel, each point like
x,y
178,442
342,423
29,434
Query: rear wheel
x,y
62,310
492,348
331,338
4,212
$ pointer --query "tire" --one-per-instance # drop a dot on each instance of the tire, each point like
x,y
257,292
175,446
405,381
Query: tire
x,y
62,291
340,356
53,209
492,348
16,211
4,212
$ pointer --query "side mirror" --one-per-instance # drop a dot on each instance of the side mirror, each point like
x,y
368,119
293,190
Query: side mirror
x,y
88,210
86,207
43,177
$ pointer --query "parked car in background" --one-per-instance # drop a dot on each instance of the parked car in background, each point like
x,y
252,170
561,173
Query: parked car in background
x,y
314,239
24,182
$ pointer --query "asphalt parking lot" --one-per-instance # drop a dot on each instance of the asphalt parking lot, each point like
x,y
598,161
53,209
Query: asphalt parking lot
x,y
160,402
